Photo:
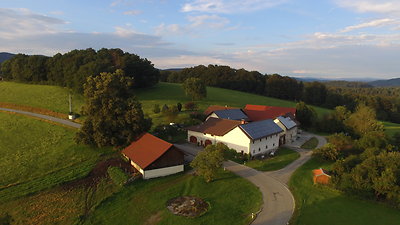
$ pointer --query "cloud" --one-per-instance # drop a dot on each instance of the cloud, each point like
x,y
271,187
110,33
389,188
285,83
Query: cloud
x,y
196,23
211,21
132,12
374,6
229,6
19,22
373,23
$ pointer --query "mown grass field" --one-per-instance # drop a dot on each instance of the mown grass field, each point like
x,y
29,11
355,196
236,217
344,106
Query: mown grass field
x,y
317,204
36,155
283,157
41,96
232,200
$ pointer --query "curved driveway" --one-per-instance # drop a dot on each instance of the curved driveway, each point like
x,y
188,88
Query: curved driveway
x,y
278,201
45,117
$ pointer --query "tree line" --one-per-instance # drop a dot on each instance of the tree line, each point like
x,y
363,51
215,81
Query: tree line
x,y
385,101
73,68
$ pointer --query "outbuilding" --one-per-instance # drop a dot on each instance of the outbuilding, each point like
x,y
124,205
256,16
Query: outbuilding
x,y
320,176
154,157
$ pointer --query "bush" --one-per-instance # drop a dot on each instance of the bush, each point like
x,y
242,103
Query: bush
x,y
156,108
190,106
117,175
197,116
179,106
164,108
327,152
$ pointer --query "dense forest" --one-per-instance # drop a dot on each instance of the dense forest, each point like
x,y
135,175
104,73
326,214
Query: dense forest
x,y
72,69
386,101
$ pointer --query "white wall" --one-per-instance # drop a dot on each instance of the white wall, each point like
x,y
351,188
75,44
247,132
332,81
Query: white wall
x,y
265,145
162,172
290,134
212,115
234,139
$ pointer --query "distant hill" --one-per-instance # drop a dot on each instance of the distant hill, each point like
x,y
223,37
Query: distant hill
x,y
347,84
5,55
386,83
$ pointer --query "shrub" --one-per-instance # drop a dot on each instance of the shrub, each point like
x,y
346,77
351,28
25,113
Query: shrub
x,y
156,108
179,106
327,152
164,108
117,175
190,106
198,116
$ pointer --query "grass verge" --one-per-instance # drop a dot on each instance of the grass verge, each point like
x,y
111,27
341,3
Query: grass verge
x,y
310,144
282,158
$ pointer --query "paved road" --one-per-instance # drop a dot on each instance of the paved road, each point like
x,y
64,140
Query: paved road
x,y
284,174
45,117
278,200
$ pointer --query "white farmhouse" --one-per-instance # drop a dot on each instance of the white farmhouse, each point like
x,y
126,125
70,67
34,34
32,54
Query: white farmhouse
x,y
254,138
289,127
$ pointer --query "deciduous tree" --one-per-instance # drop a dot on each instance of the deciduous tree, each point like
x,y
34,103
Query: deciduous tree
x,y
195,88
114,116
208,161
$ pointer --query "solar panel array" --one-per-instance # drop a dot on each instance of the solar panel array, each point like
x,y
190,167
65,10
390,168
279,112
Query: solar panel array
x,y
287,122
261,129
231,114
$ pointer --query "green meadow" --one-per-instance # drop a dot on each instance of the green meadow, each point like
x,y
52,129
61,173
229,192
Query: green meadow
x,y
317,204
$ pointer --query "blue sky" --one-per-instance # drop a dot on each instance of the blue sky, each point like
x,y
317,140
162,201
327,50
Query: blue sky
x,y
304,38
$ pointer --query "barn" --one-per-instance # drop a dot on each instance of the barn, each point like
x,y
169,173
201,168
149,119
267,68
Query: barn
x,y
153,157
289,127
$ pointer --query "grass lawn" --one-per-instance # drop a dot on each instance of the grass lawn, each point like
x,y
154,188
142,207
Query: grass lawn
x,y
36,155
170,93
232,200
41,96
310,144
321,205
282,158
391,128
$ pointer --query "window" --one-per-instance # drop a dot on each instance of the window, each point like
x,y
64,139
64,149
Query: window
x,y
260,140
266,147
266,138
253,141
259,149
254,151
273,144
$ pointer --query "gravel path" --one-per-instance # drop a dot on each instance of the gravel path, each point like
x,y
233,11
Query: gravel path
x,y
45,117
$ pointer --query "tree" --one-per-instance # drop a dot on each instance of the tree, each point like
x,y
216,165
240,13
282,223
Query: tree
x,y
305,114
114,116
327,152
363,120
315,93
195,88
179,106
208,161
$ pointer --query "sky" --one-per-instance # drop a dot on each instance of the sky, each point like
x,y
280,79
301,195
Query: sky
x,y
330,39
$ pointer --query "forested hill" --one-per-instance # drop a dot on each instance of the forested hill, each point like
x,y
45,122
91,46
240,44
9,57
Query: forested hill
x,y
72,69
386,83
5,56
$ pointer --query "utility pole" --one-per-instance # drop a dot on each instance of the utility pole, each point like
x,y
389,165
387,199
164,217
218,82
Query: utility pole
x,y
70,104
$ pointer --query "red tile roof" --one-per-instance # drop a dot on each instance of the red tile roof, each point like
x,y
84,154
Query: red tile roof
x,y
213,108
319,172
263,112
215,126
146,150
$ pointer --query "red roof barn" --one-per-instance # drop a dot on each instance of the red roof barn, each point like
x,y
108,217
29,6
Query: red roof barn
x,y
154,157
263,112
